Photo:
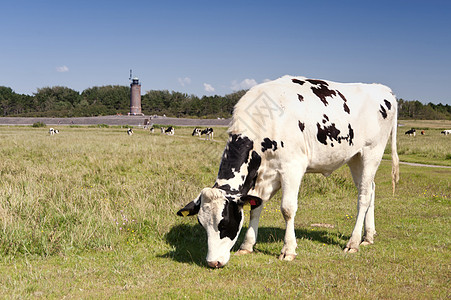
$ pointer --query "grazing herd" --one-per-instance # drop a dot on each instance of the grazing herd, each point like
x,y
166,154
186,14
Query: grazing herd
x,y
412,132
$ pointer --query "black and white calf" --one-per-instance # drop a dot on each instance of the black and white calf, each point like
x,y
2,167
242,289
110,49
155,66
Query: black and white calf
x,y
197,131
208,133
53,131
281,130
446,132
410,132
170,130
130,131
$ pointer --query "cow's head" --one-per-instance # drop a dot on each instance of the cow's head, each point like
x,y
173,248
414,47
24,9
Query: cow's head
x,y
222,217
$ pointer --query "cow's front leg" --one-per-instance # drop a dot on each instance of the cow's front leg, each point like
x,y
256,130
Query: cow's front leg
x,y
288,252
251,234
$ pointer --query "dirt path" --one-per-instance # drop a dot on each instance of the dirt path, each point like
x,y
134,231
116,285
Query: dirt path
x,y
116,120
424,165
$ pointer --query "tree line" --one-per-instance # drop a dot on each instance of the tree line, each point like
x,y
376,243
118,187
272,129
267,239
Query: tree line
x,y
61,101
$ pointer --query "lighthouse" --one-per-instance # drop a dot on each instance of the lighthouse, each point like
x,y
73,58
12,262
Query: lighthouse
x,y
135,96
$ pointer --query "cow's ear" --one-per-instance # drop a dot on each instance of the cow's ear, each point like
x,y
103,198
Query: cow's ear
x,y
253,201
190,209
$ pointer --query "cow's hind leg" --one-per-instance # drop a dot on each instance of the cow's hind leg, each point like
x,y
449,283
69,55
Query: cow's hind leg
x,y
291,181
363,173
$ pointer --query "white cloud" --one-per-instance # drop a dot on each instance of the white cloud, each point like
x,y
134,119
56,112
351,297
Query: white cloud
x,y
184,81
243,85
62,69
209,88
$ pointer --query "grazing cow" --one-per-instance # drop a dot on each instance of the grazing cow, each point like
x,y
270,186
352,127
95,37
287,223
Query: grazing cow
x,y
53,131
130,131
410,132
422,132
152,129
170,130
163,129
446,132
281,130
208,133
197,131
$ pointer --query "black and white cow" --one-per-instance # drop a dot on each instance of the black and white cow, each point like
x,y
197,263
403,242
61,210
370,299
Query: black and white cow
x,y
130,131
170,130
446,132
410,132
281,130
53,131
197,131
208,133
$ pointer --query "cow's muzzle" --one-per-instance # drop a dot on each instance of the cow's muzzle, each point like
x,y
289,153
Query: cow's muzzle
x,y
215,264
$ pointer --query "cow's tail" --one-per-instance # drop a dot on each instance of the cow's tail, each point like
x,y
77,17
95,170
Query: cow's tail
x,y
394,153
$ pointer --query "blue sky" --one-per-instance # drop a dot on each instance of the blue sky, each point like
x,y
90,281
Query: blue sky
x,y
217,47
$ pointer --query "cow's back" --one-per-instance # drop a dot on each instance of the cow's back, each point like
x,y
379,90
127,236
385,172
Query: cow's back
x,y
322,121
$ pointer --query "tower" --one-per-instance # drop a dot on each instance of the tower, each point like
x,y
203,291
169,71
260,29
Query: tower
x,y
135,96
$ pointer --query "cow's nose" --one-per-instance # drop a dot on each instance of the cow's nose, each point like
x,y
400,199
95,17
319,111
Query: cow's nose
x,y
215,264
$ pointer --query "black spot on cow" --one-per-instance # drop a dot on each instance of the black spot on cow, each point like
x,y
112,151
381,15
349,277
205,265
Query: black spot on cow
x,y
235,155
325,117
300,97
333,133
383,112
294,80
301,126
281,143
231,219
322,91
268,144
341,96
346,108
387,103
252,173
325,132
350,135
317,82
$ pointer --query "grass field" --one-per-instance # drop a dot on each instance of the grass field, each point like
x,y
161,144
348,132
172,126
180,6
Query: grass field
x,y
90,213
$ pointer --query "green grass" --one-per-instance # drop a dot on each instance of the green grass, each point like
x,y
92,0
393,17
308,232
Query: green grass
x,y
90,213
430,148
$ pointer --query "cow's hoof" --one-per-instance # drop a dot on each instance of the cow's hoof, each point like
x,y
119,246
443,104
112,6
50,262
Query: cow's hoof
x,y
366,243
287,257
243,252
350,250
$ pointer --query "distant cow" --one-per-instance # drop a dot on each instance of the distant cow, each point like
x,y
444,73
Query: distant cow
x,y
208,133
422,132
170,130
281,130
197,131
130,131
152,129
446,132
163,129
53,131
410,132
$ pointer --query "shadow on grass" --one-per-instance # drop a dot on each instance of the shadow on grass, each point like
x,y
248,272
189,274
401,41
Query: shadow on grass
x,y
190,241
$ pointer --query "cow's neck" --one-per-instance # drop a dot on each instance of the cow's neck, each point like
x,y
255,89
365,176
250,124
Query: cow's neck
x,y
239,166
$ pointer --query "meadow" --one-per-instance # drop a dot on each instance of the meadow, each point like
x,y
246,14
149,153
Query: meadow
x,y
91,213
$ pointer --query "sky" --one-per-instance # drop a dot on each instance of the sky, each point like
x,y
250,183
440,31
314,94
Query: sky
x,y
218,47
